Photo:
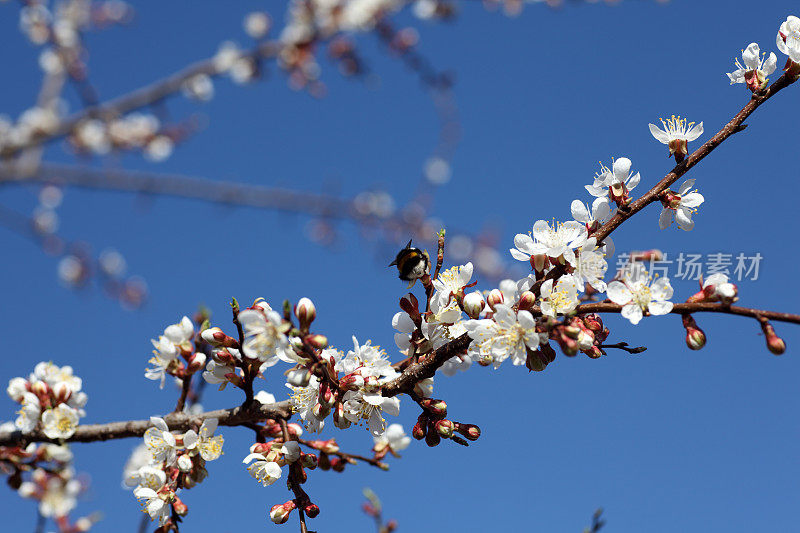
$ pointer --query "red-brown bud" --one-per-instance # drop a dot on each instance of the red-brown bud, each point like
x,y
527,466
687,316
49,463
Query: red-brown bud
x,y
470,431
437,408
312,510
526,301
775,344
432,439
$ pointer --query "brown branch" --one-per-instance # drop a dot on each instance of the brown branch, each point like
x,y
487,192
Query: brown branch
x,y
428,365
734,126
701,307
236,416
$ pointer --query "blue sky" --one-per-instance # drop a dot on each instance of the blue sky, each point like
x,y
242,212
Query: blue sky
x,y
668,440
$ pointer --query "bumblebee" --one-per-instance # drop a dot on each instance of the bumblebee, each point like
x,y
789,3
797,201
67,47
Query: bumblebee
x,y
412,263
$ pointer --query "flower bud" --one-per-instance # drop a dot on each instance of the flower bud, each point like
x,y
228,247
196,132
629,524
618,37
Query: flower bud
x,y
594,352
495,297
180,508
568,346
40,389
432,439
279,514
470,431
420,429
539,262
312,510
474,304
197,362
775,344
410,305
317,341
351,382
62,392
339,420
444,428
305,312
437,408
695,338
217,338
536,361
526,301
309,460
324,461
184,463
337,464
593,322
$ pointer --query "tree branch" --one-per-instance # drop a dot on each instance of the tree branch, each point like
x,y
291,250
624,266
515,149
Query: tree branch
x,y
135,428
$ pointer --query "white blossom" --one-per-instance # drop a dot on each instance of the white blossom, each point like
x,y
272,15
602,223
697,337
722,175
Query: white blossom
x,y
556,241
755,66
205,443
636,294
683,206
504,335
447,283
153,503
561,298
394,437
360,405
264,337
676,133
160,441
788,39
60,422
266,472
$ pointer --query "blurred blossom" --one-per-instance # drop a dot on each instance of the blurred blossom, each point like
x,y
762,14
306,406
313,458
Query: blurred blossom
x,y
243,70
71,270
93,135
159,148
199,87
50,196
133,293
50,62
227,54
257,24
459,248
112,263
437,170
45,220
488,261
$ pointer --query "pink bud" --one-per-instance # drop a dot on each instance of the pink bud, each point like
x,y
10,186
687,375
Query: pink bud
x,y
279,514
305,312
495,297
197,362
526,301
180,508
437,408
474,304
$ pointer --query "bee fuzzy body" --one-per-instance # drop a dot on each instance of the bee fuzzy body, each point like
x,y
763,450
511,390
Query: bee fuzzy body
x,y
412,263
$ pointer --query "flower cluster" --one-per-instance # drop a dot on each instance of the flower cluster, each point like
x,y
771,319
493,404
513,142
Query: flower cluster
x,y
175,343
167,462
51,400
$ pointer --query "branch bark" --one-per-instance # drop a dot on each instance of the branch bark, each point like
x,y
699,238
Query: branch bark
x,y
135,428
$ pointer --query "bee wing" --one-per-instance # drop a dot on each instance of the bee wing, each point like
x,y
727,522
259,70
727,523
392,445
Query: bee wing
x,y
393,263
